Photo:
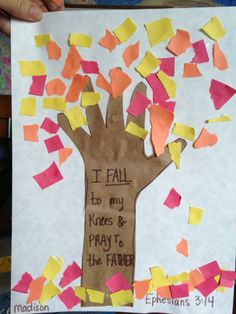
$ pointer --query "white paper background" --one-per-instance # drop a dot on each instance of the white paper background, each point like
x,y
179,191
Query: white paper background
x,y
50,222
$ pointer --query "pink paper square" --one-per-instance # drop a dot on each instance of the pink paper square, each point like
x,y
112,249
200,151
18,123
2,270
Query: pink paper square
x,y
48,177
210,270
50,126
207,286
138,105
179,291
117,282
69,298
53,144
168,65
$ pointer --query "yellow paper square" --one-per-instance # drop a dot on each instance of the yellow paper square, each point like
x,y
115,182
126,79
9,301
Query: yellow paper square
x,y
76,117
81,40
184,131
159,31
53,267
55,103
90,99
224,118
122,297
126,30
136,130
148,64
214,29
178,278
50,290
28,106
175,153
42,40
195,215
169,84
96,296
32,68
80,292
159,278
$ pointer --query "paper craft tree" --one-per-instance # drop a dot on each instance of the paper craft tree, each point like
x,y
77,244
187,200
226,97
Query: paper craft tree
x,y
116,171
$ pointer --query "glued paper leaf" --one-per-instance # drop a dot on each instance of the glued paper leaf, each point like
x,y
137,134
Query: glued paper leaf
x,y
136,130
103,83
90,67
90,99
50,290
164,292
120,81
159,278
159,31
205,139
126,30
210,270
64,154
35,289
56,87
182,247
178,278
41,40
37,86
168,65
201,54
96,296
168,83
219,59
80,292
49,176
23,284
168,105
117,282
220,93
69,298
161,121
76,117
195,278
50,126
72,63
32,68
138,104
31,132
122,297
180,291
191,70
71,273
184,131
175,153
28,106
55,103
159,92
77,85
54,51
141,288
227,278
148,64
131,53
109,41
180,42
207,287
214,29
224,118
173,199
195,215
81,40
53,144
53,268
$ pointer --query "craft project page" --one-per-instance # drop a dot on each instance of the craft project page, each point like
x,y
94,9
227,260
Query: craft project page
x,y
124,161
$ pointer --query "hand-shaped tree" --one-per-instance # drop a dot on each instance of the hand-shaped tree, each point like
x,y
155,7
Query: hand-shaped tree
x,y
116,171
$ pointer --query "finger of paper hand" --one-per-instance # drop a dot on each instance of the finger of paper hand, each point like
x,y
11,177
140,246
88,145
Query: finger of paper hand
x,y
114,117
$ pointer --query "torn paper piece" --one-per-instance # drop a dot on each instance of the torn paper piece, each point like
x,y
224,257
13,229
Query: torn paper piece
x,y
54,51
175,149
161,121
214,29
169,84
205,139
90,99
131,53
136,130
64,154
179,291
69,298
201,55
96,296
77,85
28,106
121,298
126,30
37,86
178,278
103,83
191,70
195,215
159,92
23,284
50,290
117,282
223,118
184,131
159,278
138,104
182,247
49,126
227,278
219,58
148,64
164,292
80,292
195,278
76,117
89,67
210,270
180,42
72,63
55,87
71,273
82,40
53,267
35,289
207,287
55,103
31,132
141,288
49,176
168,66
159,31
168,105
53,144
173,199
41,40
220,93
32,68
120,81
109,41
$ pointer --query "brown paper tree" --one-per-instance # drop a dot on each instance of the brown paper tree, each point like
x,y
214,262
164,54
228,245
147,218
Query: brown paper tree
x,y
116,171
